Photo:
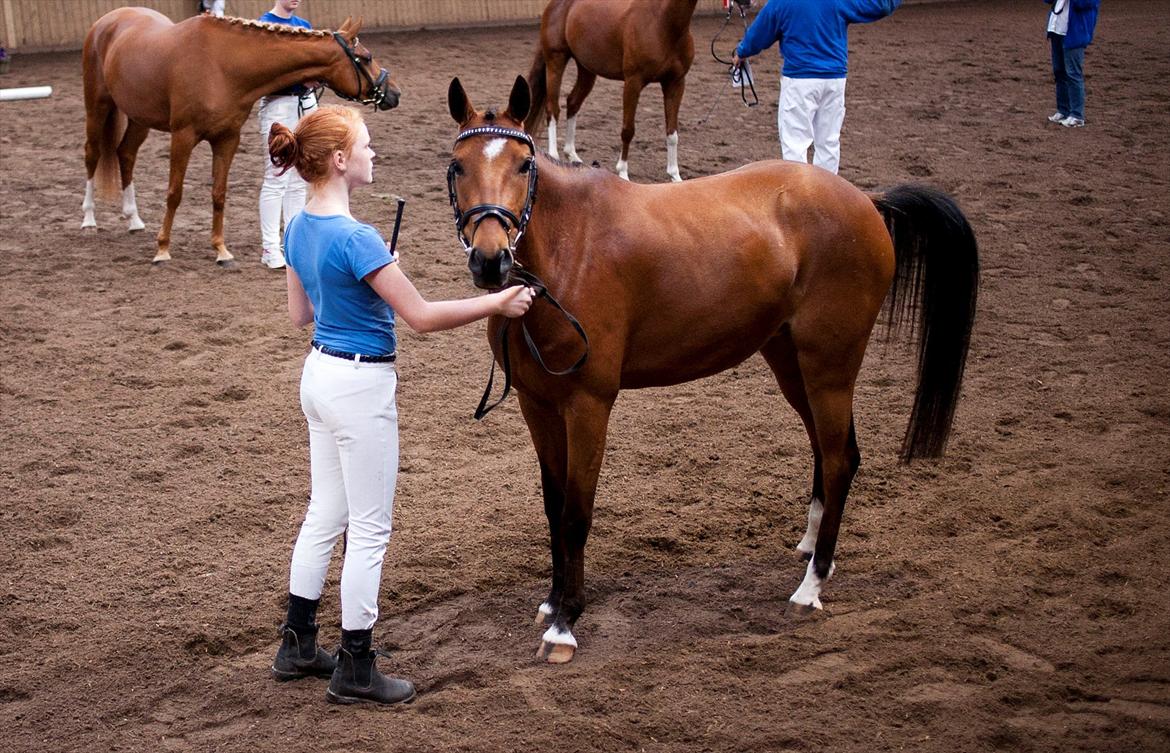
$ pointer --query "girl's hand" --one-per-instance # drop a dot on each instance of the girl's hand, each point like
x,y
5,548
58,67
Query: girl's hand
x,y
514,301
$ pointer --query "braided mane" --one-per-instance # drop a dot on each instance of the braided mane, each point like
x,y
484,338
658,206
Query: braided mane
x,y
270,27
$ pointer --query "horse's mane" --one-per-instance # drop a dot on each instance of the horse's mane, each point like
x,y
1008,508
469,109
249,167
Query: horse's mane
x,y
265,26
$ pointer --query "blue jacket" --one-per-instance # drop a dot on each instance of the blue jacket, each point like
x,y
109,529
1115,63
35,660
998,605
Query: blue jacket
x,y
1082,20
812,33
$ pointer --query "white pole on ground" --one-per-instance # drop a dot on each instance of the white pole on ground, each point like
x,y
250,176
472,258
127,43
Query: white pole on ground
x,y
28,92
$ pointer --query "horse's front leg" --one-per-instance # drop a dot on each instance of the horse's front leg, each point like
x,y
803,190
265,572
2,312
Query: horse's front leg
x,y
631,92
672,94
182,142
223,150
548,437
586,419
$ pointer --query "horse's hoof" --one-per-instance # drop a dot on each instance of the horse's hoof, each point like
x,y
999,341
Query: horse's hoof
x,y
804,556
158,263
797,611
229,265
541,619
556,653
137,228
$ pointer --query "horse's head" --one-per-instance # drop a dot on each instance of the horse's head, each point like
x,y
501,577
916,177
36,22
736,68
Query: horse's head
x,y
358,77
493,174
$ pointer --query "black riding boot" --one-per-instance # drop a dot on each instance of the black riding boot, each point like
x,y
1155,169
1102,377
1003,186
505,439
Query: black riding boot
x,y
298,655
357,680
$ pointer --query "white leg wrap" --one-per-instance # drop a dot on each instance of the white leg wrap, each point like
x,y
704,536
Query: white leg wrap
x,y
552,138
623,169
571,140
672,156
809,543
87,206
809,593
130,209
561,637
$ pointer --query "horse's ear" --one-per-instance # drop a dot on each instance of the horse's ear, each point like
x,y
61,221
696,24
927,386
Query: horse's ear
x,y
458,103
357,25
343,30
520,100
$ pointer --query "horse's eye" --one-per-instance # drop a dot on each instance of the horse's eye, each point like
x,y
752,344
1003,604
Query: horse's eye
x,y
525,167
456,168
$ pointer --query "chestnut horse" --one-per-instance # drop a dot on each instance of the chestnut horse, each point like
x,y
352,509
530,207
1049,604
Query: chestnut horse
x,y
633,41
198,79
675,282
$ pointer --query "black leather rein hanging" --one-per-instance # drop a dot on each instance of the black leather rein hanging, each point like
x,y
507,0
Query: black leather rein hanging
x,y
518,274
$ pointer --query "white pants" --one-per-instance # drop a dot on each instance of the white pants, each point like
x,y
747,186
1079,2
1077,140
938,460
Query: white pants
x,y
811,113
280,192
353,450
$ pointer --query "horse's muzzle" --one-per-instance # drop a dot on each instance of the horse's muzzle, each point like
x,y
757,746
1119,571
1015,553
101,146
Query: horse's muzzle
x,y
389,98
489,274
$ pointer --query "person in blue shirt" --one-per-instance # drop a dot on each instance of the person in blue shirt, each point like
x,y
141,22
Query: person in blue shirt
x,y
1070,31
281,194
814,44
343,279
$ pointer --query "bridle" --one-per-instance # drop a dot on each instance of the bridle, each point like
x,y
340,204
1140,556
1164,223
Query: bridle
x,y
511,222
378,92
502,214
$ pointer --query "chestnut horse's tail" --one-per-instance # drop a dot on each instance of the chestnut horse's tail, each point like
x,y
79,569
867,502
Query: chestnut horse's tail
x,y
107,177
539,91
937,275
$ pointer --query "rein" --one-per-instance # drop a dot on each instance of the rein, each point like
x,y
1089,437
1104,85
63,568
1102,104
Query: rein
x,y
736,72
510,222
378,93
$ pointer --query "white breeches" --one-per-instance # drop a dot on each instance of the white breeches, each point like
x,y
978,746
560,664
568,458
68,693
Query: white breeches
x,y
353,449
811,113
280,194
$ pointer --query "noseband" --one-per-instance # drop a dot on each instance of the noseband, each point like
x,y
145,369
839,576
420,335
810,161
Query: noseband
x,y
481,212
378,93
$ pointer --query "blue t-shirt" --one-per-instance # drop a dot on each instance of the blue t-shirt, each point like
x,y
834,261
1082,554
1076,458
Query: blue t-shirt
x,y
331,255
812,33
300,23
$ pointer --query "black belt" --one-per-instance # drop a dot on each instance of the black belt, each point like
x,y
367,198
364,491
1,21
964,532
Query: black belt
x,y
358,357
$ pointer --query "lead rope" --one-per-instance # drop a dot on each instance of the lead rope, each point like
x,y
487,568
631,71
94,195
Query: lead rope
x,y
731,67
502,341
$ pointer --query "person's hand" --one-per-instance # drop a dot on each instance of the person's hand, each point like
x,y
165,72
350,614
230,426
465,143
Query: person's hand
x,y
393,252
735,60
514,301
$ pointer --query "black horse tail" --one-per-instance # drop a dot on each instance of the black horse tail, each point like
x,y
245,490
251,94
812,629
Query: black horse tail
x,y
937,275
539,91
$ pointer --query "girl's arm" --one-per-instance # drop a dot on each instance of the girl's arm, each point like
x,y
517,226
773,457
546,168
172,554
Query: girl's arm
x,y
300,308
393,286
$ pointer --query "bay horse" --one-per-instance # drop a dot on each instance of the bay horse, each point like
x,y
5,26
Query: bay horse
x,y
198,79
633,41
675,282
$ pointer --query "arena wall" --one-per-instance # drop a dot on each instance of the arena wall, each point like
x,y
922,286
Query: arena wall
x,y
41,25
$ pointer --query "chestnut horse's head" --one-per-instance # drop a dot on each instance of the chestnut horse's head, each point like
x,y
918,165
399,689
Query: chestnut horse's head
x,y
359,78
491,181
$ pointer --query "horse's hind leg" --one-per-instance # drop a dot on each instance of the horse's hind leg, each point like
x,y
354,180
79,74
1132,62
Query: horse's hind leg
x,y
127,157
554,73
99,110
182,142
829,371
581,88
672,94
780,353
631,92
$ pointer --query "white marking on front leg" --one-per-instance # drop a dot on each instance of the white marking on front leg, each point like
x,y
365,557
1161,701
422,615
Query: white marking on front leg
x,y
87,206
552,138
494,148
672,156
623,169
809,593
571,140
558,636
545,608
808,544
130,209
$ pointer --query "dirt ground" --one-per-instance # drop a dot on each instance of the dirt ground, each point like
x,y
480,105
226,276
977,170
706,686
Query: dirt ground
x,y
1011,597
